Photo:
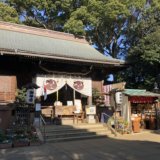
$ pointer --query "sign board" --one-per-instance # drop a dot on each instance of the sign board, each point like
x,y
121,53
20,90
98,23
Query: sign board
x,y
90,110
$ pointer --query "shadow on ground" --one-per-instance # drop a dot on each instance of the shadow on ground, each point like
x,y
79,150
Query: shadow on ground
x,y
144,146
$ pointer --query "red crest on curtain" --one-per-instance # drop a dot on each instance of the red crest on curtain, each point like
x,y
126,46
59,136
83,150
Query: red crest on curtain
x,y
78,85
51,84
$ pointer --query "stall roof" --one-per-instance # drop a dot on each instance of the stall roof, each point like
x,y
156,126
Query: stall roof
x,y
140,93
30,41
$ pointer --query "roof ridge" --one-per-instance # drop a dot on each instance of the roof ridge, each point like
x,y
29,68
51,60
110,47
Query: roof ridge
x,y
40,31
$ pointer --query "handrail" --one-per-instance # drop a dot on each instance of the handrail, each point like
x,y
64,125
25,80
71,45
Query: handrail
x,y
106,115
108,122
41,119
111,128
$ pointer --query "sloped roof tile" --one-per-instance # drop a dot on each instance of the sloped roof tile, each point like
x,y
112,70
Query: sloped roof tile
x,y
24,40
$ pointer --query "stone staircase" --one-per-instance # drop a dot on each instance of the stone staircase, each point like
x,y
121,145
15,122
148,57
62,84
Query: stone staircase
x,y
60,133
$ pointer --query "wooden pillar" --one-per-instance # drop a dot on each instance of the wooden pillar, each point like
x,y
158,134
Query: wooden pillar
x,y
129,116
57,95
90,100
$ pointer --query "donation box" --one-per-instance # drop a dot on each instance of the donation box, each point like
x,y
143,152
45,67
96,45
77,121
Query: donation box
x,y
91,113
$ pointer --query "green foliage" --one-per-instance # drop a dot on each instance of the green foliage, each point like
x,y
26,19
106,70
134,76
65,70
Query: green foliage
x,y
101,22
2,136
111,121
122,126
50,14
77,27
144,50
144,58
98,98
21,96
150,46
95,92
113,26
8,13
95,95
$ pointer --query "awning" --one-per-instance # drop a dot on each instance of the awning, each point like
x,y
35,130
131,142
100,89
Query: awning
x,y
141,99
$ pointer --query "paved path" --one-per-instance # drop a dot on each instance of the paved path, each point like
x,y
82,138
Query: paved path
x,y
144,146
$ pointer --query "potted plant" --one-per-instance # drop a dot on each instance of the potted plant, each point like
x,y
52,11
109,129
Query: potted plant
x,y
122,126
21,137
34,139
4,142
20,141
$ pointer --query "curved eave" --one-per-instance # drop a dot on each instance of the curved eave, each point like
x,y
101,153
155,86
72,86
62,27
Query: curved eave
x,y
28,41
56,57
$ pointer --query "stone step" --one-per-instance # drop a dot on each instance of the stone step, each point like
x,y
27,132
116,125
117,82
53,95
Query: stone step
x,y
76,126
74,129
58,133
88,125
73,134
82,137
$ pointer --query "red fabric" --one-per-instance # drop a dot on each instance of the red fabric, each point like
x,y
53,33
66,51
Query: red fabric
x,y
136,99
44,91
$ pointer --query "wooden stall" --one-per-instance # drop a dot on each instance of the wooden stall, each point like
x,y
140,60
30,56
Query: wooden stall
x,y
139,107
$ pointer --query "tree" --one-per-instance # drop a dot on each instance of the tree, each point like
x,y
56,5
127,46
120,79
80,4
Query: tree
x,y
105,23
144,59
50,14
144,52
8,13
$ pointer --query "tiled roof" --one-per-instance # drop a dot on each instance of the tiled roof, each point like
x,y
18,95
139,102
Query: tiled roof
x,y
30,41
138,92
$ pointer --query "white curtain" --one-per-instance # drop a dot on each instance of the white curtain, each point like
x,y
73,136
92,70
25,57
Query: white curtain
x,y
85,89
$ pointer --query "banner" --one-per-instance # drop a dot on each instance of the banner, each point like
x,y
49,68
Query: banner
x,y
55,82
107,88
